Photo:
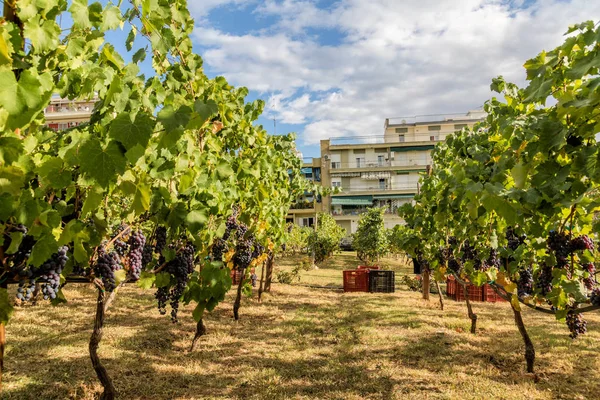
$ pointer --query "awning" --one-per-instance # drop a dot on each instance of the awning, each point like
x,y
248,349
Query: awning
x,y
393,196
345,174
413,148
352,201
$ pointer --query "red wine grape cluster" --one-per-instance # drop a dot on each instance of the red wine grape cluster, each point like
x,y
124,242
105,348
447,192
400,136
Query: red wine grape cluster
x,y
120,245
590,282
595,297
514,241
137,242
48,274
544,279
180,268
106,266
161,239
525,282
576,324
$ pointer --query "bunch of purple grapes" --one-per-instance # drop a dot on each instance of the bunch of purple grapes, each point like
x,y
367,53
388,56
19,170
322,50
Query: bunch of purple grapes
x,y
595,297
106,266
590,282
493,260
559,244
525,282
544,280
120,245
219,248
243,254
576,324
581,243
514,241
161,239
180,268
137,242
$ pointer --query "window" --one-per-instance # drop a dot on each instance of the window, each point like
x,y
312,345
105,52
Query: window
x,y
381,183
380,161
360,162
432,128
401,138
336,184
433,138
336,164
359,151
401,130
458,127
307,222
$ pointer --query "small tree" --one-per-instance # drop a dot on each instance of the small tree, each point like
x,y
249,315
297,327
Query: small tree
x,y
325,239
371,237
297,239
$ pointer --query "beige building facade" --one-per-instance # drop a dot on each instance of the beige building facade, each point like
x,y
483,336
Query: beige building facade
x,y
379,171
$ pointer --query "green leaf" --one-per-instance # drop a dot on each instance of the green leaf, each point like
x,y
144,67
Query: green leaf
x,y
141,199
146,280
24,99
196,220
111,18
519,174
224,170
42,250
50,218
202,112
10,149
198,312
120,276
96,163
53,174
80,14
5,53
163,279
575,289
173,119
92,201
15,242
6,307
43,35
129,133
139,56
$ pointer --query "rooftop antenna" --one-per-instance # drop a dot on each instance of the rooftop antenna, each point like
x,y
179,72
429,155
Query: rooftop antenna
x,y
274,126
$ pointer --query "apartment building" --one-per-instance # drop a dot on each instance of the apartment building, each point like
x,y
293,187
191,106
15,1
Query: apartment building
x,y
383,170
303,212
62,114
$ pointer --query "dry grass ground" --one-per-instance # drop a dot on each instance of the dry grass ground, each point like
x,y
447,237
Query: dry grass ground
x,y
300,343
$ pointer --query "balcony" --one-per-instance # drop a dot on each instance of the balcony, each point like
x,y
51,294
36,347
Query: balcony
x,y
359,211
361,164
304,205
379,188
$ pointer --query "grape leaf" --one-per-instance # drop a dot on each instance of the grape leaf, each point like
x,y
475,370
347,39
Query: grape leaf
x,y
80,13
42,250
43,35
97,163
129,133
111,18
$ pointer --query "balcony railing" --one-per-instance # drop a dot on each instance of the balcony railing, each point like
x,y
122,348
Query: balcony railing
x,y
381,164
376,187
360,211
362,164
303,206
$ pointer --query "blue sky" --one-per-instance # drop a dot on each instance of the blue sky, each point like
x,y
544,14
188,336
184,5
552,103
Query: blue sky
x,y
339,68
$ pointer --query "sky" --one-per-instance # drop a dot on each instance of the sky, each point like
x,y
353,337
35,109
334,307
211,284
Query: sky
x,y
339,68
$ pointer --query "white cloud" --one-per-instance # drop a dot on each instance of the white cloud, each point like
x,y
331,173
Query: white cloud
x,y
395,58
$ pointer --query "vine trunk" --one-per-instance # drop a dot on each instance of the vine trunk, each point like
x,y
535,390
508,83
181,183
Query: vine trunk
x,y
472,315
529,349
109,389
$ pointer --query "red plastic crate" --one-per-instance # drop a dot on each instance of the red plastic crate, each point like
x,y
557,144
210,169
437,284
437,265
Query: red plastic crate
x,y
236,276
475,293
356,280
451,287
490,295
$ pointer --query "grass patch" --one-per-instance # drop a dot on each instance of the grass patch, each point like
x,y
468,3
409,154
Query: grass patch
x,y
300,343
